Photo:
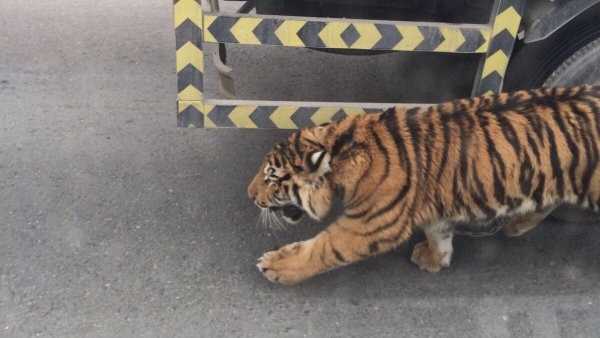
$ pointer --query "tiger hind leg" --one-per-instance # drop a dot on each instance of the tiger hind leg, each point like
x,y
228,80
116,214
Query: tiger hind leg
x,y
524,223
435,252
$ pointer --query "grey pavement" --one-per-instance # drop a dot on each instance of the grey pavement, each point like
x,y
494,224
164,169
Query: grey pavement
x,y
115,223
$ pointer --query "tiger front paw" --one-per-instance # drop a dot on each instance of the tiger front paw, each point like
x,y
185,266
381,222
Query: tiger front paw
x,y
428,259
288,265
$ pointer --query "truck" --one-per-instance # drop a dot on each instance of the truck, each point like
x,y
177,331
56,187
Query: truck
x,y
499,45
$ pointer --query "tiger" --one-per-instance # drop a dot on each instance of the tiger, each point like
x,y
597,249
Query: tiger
x,y
514,155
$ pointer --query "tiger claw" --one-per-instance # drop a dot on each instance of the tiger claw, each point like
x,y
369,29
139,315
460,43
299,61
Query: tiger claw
x,y
260,268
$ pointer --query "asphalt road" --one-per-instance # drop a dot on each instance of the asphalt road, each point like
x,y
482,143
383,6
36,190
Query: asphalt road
x,y
115,223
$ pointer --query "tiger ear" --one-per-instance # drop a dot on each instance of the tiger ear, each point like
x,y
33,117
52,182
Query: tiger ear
x,y
318,162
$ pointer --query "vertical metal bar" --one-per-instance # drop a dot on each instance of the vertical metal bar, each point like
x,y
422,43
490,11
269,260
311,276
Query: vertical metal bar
x,y
189,59
505,26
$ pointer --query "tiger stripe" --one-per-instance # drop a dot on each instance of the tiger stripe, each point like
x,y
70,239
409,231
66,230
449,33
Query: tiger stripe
x,y
392,127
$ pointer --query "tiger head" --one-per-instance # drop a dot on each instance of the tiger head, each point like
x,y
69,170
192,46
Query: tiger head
x,y
294,179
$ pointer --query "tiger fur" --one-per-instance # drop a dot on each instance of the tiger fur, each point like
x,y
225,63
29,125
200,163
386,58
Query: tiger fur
x,y
516,155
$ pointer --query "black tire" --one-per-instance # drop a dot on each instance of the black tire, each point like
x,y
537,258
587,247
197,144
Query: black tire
x,y
570,57
531,65
581,68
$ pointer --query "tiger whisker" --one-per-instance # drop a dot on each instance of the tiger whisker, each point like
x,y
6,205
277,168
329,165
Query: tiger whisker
x,y
263,220
278,224
272,222
258,220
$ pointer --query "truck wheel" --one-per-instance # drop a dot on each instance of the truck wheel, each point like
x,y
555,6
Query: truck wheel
x,y
569,57
581,68
534,64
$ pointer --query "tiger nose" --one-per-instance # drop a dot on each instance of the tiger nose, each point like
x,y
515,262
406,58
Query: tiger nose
x,y
252,192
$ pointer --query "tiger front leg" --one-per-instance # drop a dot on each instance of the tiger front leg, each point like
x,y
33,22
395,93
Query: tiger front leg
x,y
291,264
299,261
342,243
436,252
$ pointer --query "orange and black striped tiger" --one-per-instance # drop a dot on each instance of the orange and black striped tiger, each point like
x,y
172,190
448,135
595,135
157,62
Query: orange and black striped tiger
x,y
516,155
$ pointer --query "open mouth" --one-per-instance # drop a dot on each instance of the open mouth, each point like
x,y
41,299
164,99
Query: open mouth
x,y
290,212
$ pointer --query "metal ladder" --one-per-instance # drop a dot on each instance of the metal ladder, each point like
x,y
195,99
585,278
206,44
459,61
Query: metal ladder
x,y
193,27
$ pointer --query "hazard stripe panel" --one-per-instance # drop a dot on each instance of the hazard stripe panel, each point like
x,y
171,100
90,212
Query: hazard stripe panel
x,y
193,27
504,33
275,117
345,34
189,58
189,114
269,114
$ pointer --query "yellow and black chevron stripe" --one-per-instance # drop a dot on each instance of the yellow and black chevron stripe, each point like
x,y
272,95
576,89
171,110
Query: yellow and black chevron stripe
x,y
347,34
504,33
189,61
275,116
193,110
